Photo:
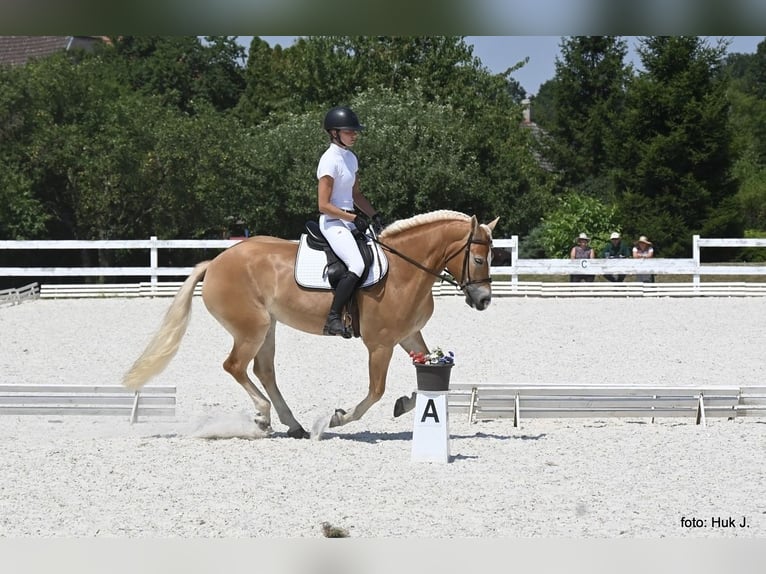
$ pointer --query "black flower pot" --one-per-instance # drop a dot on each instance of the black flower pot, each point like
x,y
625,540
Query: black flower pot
x,y
433,377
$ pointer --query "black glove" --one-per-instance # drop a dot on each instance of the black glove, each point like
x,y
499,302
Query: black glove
x,y
361,224
377,223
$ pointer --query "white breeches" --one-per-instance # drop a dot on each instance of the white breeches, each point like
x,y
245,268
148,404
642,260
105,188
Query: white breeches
x,y
338,234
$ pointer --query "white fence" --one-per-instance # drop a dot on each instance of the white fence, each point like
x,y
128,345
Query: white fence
x,y
483,401
693,267
153,271
654,266
14,296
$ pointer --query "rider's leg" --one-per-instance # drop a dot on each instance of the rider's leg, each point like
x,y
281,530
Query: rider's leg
x,y
343,292
344,245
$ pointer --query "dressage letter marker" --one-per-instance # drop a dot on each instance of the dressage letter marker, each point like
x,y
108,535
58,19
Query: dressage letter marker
x,y
430,435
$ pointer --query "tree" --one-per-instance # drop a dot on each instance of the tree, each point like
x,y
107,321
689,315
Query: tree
x,y
676,157
747,94
575,214
22,214
181,69
330,70
588,93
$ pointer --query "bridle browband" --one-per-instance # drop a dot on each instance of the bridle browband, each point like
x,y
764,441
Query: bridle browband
x,y
466,275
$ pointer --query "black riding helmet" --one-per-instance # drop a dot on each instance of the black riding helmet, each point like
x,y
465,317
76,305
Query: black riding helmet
x,y
342,118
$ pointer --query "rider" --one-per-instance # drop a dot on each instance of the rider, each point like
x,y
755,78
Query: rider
x,y
338,193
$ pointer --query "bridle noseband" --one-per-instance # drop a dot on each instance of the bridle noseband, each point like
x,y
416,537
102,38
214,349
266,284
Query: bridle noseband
x,y
466,274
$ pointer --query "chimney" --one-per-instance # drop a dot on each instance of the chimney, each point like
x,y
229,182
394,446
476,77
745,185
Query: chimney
x,y
526,110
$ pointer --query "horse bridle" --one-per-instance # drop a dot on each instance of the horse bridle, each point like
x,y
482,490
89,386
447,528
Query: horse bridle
x,y
466,273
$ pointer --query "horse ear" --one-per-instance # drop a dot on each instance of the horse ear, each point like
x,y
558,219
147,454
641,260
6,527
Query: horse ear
x,y
474,223
492,224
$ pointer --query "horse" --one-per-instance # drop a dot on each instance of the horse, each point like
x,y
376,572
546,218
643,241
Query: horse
x,y
250,287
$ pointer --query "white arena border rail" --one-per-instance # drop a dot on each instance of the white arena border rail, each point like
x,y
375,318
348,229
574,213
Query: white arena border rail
x,y
506,278
487,401
15,296
92,400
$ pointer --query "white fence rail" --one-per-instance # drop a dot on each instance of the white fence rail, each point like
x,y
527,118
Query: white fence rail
x,y
514,286
654,266
21,399
14,296
485,401
153,245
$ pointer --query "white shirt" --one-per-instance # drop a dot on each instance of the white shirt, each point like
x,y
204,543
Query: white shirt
x,y
643,253
341,165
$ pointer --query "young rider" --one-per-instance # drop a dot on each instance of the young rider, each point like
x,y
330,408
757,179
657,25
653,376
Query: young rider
x,y
338,193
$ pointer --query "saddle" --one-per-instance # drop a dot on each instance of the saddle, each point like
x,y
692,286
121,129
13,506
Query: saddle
x,y
335,267
318,267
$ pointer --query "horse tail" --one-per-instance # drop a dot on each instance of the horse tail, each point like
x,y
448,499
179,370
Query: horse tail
x,y
164,345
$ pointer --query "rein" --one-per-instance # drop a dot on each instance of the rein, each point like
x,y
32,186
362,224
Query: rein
x,y
467,247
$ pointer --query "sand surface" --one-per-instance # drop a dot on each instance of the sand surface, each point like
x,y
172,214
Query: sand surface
x,y
65,476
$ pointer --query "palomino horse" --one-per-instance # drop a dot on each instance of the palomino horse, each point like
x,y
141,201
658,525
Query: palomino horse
x,y
250,287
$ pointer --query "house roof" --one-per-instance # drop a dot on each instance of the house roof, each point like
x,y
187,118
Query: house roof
x,y
18,50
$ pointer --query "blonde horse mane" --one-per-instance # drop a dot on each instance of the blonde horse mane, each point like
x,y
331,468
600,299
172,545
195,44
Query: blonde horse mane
x,y
403,224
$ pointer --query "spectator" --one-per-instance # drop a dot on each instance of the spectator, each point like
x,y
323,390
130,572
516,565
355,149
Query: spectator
x,y
582,250
643,249
616,249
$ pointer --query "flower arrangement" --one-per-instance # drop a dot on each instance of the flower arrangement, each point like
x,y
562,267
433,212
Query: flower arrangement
x,y
435,357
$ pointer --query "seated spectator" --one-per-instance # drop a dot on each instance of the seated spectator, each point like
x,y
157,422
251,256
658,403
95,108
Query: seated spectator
x,y
582,250
643,249
616,249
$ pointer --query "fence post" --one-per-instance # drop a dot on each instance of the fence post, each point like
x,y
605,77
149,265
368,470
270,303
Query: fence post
x,y
153,263
514,259
696,257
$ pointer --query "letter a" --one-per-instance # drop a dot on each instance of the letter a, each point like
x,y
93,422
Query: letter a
x,y
430,411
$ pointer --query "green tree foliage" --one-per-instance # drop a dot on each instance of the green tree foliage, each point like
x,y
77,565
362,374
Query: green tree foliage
x,y
85,158
575,214
589,91
22,212
329,70
181,69
747,94
676,162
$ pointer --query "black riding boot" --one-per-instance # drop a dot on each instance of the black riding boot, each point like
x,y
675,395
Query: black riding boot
x,y
344,290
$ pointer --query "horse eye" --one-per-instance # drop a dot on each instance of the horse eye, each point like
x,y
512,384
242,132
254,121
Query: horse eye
x,y
478,260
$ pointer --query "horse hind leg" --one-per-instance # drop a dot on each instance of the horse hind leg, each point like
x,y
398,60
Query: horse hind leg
x,y
263,368
236,365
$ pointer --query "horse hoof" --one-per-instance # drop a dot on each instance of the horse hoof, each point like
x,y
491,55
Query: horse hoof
x,y
404,404
300,432
399,407
337,418
264,427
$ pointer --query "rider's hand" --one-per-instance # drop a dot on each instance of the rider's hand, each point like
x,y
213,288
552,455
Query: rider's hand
x,y
377,223
361,224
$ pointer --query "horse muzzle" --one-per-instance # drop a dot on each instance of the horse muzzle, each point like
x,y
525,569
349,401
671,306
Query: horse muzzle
x,y
478,296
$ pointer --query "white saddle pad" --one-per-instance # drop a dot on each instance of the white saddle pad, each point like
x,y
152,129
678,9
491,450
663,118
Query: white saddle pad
x,y
311,267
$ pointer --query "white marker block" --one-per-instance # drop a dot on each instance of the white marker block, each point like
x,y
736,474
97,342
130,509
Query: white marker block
x,y
430,433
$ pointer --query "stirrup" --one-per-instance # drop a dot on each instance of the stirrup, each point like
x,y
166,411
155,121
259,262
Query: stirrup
x,y
335,326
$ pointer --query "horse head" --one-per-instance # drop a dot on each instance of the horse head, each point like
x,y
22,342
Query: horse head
x,y
470,265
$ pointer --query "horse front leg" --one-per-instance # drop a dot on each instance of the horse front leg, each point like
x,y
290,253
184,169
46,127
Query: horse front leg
x,y
415,342
379,359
